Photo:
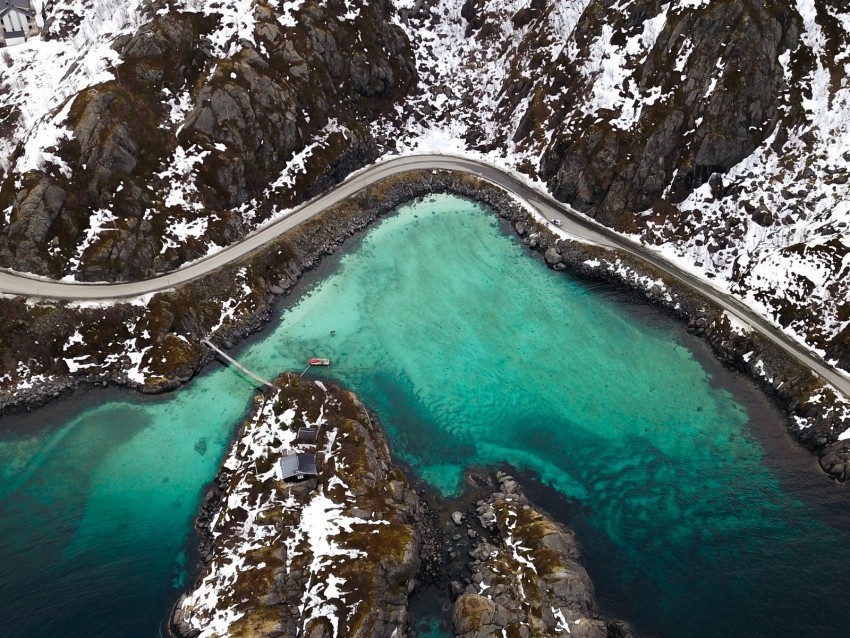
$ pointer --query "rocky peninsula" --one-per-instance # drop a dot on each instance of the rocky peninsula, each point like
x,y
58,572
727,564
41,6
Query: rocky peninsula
x,y
334,554
339,553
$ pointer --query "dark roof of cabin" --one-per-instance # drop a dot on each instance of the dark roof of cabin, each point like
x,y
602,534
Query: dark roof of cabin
x,y
7,6
296,464
308,435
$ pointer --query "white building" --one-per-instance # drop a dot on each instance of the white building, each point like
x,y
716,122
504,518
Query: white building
x,y
17,19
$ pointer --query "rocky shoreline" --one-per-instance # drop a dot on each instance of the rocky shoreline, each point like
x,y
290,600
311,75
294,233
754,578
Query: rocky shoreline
x,y
524,575
273,564
816,417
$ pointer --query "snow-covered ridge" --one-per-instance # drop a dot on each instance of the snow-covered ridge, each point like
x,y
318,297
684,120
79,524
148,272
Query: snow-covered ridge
x,y
203,115
789,257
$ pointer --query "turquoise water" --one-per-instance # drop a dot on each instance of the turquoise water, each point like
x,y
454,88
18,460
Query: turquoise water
x,y
472,353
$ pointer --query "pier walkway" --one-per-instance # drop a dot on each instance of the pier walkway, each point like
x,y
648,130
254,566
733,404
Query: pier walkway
x,y
245,370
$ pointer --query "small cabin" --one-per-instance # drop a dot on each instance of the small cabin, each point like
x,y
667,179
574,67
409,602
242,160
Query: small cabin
x,y
17,22
298,467
307,436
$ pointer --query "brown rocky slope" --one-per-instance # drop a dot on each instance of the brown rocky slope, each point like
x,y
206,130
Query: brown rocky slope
x,y
526,576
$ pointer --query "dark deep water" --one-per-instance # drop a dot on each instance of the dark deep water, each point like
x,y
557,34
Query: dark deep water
x,y
697,514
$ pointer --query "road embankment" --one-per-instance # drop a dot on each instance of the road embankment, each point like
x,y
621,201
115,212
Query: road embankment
x,y
165,332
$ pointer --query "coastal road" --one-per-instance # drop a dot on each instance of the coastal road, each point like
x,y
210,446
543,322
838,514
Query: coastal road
x,y
571,221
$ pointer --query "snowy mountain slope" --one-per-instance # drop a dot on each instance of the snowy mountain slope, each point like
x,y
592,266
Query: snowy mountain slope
x,y
207,104
479,63
787,206
39,76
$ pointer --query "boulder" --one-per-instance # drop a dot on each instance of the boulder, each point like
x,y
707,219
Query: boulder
x,y
552,256
834,459
471,613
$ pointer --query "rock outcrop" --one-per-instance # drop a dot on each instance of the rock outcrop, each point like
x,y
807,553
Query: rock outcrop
x,y
834,459
526,576
611,163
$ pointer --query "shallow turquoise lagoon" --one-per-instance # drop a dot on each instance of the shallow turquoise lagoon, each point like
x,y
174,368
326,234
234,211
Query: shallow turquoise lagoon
x,y
697,516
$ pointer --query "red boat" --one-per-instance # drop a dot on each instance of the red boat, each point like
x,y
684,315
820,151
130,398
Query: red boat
x,y
320,362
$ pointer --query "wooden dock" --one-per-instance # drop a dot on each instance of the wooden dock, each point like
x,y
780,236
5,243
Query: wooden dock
x,y
244,370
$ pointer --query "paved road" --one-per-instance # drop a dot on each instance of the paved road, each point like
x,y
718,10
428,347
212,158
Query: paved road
x,y
572,222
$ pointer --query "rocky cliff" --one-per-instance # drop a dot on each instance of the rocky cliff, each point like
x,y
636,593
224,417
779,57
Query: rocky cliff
x,y
697,91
